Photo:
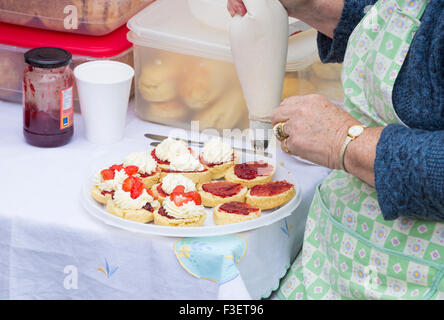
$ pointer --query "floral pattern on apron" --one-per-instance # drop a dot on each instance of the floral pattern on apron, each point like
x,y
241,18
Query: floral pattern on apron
x,y
349,250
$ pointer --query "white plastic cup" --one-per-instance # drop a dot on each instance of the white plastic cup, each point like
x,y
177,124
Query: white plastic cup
x,y
104,88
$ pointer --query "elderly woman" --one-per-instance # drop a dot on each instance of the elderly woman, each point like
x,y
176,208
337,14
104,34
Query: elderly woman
x,y
373,230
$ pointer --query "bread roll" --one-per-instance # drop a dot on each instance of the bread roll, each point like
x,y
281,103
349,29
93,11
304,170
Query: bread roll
x,y
225,113
16,12
204,81
52,15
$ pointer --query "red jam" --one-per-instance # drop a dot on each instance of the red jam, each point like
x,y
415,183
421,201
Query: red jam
x,y
164,213
160,191
104,193
148,207
222,189
252,170
146,175
48,113
236,207
270,189
153,154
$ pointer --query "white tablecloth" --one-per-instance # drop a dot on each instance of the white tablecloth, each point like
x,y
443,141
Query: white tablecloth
x,y
51,248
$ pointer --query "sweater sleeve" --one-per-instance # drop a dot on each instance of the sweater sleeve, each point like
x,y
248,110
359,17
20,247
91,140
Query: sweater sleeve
x,y
409,173
333,50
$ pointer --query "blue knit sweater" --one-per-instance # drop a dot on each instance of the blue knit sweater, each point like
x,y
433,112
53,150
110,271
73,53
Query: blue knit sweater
x,y
409,164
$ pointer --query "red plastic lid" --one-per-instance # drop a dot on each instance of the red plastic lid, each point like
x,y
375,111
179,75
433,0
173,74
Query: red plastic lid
x,y
105,46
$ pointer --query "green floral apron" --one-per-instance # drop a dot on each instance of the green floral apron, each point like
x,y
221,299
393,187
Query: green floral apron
x,y
349,250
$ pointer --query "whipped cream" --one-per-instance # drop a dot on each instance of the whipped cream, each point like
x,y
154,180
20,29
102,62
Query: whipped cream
x,y
259,43
124,201
172,180
171,148
217,151
186,162
187,210
110,185
143,160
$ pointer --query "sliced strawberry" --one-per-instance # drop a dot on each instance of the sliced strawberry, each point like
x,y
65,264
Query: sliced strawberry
x,y
131,170
137,188
151,193
116,167
127,185
179,190
194,196
107,174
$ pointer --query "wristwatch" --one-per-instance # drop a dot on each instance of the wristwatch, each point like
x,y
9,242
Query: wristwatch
x,y
352,133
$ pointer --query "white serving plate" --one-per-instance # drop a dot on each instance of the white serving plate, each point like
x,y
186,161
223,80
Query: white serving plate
x,y
209,228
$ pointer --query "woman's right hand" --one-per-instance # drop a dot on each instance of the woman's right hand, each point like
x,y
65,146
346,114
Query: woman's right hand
x,y
238,7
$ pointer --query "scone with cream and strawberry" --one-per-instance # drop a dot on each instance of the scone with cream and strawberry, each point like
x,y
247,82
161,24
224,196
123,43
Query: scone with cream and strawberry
x,y
168,150
145,167
163,189
181,209
189,167
217,156
132,201
106,182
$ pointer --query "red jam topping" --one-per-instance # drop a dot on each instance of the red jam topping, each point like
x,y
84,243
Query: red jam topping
x,y
164,213
160,191
251,170
153,154
146,175
104,193
222,189
270,189
148,207
236,207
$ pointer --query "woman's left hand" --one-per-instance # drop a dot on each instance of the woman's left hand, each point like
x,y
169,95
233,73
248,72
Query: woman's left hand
x,y
316,128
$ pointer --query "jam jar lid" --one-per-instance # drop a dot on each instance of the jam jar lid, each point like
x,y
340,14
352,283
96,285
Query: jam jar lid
x,y
48,57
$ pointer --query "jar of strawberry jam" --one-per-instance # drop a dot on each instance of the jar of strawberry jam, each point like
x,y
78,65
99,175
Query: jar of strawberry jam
x,y
48,97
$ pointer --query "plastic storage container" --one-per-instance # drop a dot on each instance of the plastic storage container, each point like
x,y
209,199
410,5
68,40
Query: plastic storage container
x,y
90,17
16,40
184,69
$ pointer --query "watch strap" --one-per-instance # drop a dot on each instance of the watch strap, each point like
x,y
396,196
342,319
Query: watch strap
x,y
348,139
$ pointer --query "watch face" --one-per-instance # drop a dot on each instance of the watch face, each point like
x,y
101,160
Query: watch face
x,y
355,131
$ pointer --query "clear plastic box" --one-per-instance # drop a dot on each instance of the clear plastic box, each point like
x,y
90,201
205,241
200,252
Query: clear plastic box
x,y
184,70
20,39
90,17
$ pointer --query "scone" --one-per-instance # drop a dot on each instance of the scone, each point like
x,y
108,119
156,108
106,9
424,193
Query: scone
x,y
133,202
181,210
103,16
234,212
144,167
270,195
296,87
163,189
158,80
10,80
217,192
250,174
167,150
203,82
218,156
188,166
106,182
173,110
52,15
16,12
225,112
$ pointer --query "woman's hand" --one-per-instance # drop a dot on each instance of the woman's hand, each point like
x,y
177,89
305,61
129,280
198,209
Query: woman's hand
x,y
317,130
316,127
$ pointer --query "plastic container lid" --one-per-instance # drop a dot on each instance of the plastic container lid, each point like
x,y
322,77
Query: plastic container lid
x,y
48,57
98,47
170,25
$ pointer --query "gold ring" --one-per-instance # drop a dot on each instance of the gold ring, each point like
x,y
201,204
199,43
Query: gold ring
x,y
279,131
284,146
